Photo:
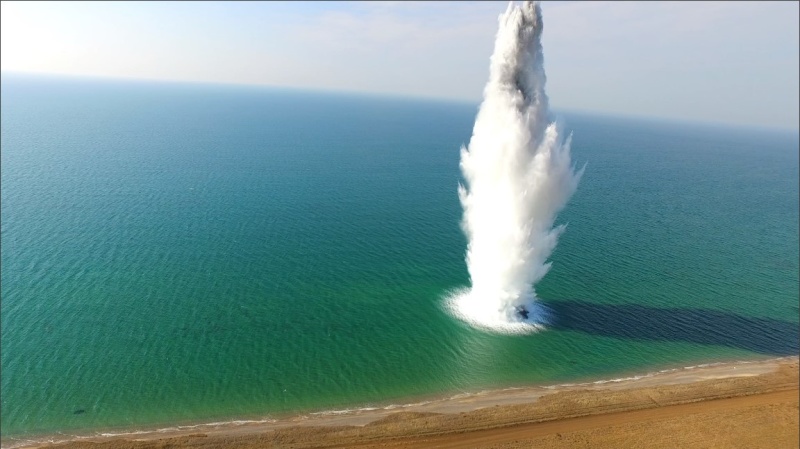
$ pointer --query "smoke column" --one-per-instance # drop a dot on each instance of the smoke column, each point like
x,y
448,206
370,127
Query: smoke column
x,y
518,176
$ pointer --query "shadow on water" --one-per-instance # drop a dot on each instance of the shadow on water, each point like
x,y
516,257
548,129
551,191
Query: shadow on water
x,y
710,327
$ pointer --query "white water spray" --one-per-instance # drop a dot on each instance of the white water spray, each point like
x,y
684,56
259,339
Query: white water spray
x,y
519,176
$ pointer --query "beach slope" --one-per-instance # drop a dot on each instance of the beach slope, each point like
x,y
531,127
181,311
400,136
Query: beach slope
x,y
753,405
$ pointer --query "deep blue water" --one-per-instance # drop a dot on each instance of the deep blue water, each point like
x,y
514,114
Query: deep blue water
x,y
179,253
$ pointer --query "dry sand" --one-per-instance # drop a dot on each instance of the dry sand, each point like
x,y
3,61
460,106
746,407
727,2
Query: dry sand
x,y
747,405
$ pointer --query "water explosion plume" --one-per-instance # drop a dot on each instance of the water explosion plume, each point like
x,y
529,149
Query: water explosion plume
x,y
518,176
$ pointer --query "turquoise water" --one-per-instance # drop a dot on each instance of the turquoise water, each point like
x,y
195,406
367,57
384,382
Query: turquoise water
x,y
183,253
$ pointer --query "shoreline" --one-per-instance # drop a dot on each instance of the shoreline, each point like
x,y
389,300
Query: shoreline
x,y
446,405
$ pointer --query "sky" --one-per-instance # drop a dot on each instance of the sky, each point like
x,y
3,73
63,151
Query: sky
x,y
721,62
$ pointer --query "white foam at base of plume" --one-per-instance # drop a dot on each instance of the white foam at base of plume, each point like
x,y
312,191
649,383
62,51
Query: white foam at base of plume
x,y
485,315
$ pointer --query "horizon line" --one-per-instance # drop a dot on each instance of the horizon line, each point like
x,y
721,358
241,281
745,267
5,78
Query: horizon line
x,y
400,96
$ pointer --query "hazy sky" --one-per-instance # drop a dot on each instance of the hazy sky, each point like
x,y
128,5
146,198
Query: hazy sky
x,y
732,62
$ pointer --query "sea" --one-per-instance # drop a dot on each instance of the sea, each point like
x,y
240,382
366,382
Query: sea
x,y
192,253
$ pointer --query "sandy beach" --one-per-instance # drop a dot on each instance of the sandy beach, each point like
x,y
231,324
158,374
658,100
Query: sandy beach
x,y
743,404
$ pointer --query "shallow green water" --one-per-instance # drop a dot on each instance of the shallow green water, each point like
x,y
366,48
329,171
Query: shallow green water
x,y
178,253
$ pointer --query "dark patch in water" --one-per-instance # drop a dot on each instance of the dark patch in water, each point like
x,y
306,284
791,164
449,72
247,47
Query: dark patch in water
x,y
80,411
704,326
